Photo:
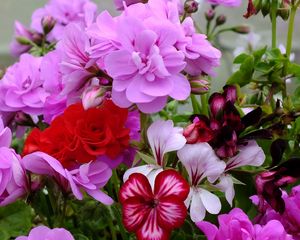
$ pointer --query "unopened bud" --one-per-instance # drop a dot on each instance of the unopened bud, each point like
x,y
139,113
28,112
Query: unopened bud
x,y
199,86
37,38
284,10
220,20
23,41
210,14
266,7
191,6
243,29
23,119
93,97
48,23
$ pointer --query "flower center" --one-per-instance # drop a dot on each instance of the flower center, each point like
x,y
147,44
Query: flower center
x,y
26,83
154,203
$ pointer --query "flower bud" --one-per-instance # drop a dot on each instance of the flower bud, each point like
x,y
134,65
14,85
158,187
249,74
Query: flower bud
x,y
216,103
23,40
23,119
199,86
210,14
93,97
191,6
243,29
48,23
220,20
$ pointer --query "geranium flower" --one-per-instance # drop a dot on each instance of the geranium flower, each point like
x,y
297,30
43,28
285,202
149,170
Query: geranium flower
x,y
80,136
152,213
14,183
45,233
89,177
227,3
163,137
64,12
201,162
237,225
21,87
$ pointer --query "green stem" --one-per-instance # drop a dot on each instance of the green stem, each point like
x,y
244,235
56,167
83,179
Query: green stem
x,y
289,44
195,104
144,125
64,210
204,105
115,180
111,225
274,23
291,30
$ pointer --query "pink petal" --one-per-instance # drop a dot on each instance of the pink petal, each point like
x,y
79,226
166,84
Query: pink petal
x,y
208,229
251,155
170,183
136,186
154,106
181,88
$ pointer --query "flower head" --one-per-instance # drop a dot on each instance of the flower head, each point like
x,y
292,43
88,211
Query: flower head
x,y
89,177
237,225
21,87
154,213
201,162
44,233
80,136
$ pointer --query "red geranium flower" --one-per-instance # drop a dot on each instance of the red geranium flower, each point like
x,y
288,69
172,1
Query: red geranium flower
x,y
154,214
81,136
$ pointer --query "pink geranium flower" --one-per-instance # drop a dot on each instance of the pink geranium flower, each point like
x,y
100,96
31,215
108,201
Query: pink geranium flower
x,y
45,233
154,213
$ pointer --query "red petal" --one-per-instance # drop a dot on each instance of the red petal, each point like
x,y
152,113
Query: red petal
x,y
136,186
170,183
171,213
151,230
135,213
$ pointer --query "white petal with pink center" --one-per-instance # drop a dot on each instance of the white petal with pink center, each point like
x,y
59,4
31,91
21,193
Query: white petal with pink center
x,y
163,137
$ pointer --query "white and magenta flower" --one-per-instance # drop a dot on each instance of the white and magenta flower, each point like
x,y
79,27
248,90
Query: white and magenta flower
x,y
201,162
45,233
163,137
152,213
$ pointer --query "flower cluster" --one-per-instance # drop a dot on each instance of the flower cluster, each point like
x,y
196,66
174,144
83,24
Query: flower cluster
x,y
90,112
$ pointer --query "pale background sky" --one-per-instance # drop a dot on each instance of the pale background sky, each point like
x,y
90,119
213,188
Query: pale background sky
x,y
11,10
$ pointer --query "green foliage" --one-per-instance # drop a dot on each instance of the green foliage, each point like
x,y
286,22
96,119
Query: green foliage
x,y
15,220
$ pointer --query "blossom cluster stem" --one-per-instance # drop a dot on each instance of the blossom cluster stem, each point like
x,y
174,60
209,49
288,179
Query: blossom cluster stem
x,y
195,104
274,23
289,42
204,105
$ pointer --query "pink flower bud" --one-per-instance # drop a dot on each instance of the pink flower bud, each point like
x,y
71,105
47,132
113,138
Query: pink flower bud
x,y
199,86
48,23
191,6
92,97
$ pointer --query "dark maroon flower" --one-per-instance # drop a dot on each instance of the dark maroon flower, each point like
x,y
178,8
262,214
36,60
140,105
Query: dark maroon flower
x,y
251,10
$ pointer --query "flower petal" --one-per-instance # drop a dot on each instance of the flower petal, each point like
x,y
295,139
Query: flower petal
x,y
163,137
201,161
210,201
170,183
136,186
226,186
171,213
151,230
135,212
197,209
251,155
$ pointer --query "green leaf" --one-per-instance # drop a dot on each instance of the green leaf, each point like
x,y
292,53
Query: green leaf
x,y
15,220
294,69
240,58
146,158
80,236
259,54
